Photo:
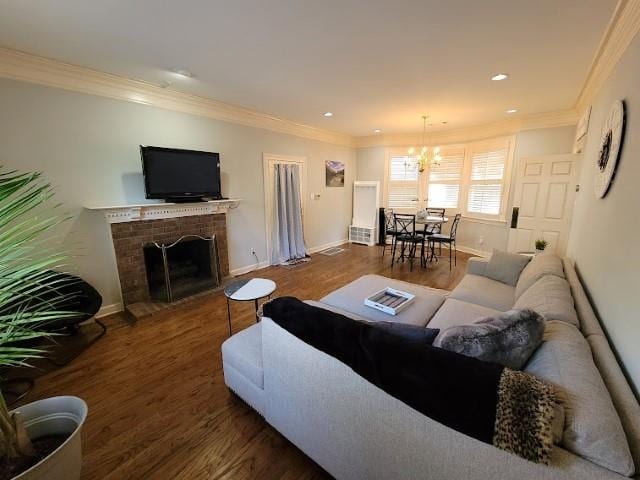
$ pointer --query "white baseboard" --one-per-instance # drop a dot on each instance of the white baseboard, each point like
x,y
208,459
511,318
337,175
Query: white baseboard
x,y
248,268
265,263
110,309
319,248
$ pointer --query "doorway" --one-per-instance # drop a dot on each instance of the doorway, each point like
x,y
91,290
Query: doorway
x,y
270,163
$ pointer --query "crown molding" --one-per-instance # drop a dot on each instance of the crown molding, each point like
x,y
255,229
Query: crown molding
x,y
29,68
25,67
621,30
460,135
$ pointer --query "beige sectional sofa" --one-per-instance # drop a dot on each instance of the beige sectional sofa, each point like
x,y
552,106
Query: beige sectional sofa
x,y
356,431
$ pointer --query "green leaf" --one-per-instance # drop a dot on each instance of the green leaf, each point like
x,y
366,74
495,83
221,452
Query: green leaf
x,y
31,291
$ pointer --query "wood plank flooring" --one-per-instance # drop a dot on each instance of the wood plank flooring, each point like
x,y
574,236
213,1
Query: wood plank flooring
x,y
158,406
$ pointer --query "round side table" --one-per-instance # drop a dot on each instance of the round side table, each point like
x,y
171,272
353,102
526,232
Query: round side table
x,y
251,289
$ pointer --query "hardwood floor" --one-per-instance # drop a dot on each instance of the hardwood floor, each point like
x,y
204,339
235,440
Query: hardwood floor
x,y
158,406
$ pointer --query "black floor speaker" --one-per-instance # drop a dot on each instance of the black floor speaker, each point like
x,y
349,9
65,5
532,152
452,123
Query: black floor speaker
x,y
382,227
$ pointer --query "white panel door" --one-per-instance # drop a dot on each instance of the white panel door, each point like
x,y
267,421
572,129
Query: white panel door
x,y
544,196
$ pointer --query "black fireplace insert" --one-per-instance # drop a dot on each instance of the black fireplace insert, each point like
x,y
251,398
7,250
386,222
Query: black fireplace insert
x,y
183,268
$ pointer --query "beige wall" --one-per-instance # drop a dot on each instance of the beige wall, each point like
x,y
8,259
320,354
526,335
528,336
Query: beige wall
x,y
475,235
605,234
88,147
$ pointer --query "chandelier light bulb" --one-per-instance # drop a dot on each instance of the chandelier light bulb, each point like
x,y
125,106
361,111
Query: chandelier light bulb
x,y
423,159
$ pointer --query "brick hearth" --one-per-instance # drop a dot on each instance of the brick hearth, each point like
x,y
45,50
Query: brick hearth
x,y
129,238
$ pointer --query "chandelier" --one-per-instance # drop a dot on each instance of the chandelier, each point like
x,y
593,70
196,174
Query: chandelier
x,y
422,159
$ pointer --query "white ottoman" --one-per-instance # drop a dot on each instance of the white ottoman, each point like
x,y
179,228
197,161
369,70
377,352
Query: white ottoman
x,y
351,298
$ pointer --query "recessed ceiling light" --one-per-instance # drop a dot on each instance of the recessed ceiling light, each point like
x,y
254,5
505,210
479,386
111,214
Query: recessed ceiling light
x,y
376,130
500,76
182,72
512,110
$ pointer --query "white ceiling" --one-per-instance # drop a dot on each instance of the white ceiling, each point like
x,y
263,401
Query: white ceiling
x,y
374,63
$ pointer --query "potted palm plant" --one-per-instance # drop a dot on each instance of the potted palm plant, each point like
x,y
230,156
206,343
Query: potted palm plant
x,y
40,440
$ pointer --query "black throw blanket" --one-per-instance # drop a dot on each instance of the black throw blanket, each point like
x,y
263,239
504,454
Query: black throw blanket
x,y
479,399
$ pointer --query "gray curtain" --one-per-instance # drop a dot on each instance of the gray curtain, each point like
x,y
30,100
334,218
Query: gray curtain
x,y
288,214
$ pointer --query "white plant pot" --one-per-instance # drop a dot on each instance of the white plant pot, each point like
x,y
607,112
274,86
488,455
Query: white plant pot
x,y
51,416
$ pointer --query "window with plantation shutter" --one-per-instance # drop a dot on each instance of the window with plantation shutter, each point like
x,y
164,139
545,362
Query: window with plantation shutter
x,y
445,179
487,181
403,187
470,178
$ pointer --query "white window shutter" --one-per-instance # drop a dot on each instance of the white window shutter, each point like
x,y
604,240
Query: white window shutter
x,y
488,165
485,199
487,181
445,179
403,183
403,197
402,168
442,195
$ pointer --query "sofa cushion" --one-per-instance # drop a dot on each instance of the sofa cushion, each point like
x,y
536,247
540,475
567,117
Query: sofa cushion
x,y
550,297
477,265
507,338
592,426
455,312
484,291
351,298
505,267
539,266
243,352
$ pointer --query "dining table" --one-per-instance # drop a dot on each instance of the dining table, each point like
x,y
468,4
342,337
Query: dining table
x,y
431,220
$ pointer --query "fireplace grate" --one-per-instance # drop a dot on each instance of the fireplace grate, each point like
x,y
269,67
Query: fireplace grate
x,y
182,268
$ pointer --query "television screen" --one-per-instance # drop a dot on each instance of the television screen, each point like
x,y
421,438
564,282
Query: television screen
x,y
171,173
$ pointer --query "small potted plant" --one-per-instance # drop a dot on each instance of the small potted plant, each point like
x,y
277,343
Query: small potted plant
x,y
40,440
541,244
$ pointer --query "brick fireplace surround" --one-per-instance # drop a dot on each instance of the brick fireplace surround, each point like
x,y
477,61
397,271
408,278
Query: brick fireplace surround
x,y
130,237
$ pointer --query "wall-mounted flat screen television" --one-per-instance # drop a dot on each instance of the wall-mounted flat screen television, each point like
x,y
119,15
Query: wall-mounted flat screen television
x,y
180,175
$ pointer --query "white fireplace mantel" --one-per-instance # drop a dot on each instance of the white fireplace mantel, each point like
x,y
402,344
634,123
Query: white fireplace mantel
x,y
154,211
